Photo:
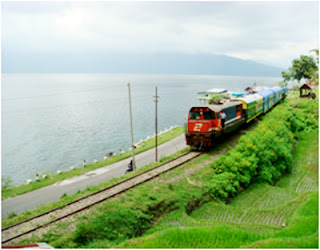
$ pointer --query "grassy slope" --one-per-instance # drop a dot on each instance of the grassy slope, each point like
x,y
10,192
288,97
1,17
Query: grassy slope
x,y
174,202
285,215
51,179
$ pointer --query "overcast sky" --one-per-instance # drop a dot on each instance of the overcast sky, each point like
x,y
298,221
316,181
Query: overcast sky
x,y
273,33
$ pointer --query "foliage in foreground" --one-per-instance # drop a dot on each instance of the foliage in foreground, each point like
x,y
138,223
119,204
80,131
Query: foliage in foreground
x,y
302,232
263,216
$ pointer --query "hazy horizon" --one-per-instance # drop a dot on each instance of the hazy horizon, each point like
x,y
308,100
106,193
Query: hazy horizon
x,y
270,33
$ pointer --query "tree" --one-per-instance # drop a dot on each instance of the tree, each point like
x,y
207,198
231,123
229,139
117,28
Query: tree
x,y
304,67
315,76
286,76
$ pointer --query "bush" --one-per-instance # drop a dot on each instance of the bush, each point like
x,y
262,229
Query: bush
x,y
223,185
264,154
121,223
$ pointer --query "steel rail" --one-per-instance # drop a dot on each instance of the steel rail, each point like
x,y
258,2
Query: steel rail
x,y
95,193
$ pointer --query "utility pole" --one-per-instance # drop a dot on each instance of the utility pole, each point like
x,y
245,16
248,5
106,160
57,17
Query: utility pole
x,y
156,120
132,147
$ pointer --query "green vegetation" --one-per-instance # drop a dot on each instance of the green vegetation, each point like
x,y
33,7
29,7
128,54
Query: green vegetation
x,y
263,216
8,191
256,195
216,98
6,183
304,67
65,199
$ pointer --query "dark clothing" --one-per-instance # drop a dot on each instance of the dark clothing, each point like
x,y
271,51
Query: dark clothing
x,y
223,121
130,168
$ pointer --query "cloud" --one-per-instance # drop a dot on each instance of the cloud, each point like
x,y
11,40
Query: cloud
x,y
270,32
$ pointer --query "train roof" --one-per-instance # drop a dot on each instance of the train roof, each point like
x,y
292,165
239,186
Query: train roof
x,y
219,107
265,93
276,89
250,98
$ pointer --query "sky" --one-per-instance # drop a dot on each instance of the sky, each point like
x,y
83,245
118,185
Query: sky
x,y
271,32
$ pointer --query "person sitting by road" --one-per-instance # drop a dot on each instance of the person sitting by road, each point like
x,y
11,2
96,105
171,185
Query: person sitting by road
x,y
130,167
223,118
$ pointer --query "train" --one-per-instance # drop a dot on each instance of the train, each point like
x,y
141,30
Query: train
x,y
205,124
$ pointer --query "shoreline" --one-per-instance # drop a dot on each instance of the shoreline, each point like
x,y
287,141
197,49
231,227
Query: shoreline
x,y
46,180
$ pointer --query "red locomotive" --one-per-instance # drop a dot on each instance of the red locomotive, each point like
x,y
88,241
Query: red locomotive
x,y
205,123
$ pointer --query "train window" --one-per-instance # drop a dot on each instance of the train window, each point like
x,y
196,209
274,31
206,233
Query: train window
x,y
209,115
194,115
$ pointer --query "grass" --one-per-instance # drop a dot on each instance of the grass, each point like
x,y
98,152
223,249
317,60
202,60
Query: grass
x,y
263,216
175,210
145,198
49,180
14,218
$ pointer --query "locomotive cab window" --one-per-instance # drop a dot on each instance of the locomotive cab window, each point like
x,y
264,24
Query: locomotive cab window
x,y
209,115
194,115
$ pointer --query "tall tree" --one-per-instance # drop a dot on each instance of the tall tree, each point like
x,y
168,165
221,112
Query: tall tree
x,y
303,68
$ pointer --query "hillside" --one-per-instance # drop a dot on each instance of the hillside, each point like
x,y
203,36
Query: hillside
x,y
270,200
263,216
124,63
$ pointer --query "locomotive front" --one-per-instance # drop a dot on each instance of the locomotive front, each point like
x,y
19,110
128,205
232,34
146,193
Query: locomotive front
x,y
203,123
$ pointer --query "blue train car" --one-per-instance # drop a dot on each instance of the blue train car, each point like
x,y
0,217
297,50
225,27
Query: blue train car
x,y
284,91
277,93
268,99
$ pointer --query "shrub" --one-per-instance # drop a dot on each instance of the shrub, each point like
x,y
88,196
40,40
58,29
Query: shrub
x,y
121,223
223,185
264,154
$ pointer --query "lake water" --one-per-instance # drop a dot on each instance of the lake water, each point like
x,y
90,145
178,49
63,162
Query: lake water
x,y
55,121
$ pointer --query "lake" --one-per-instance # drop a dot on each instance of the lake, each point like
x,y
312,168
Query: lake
x,y
51,122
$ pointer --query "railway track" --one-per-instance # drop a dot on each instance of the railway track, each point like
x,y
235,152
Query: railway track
x,y
41,223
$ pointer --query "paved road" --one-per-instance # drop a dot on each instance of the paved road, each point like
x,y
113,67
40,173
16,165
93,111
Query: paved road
x,y
34,199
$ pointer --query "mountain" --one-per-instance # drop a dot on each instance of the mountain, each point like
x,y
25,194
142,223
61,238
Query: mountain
x,y
126,63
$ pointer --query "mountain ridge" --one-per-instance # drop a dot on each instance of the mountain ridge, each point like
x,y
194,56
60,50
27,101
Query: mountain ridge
x,y
134,63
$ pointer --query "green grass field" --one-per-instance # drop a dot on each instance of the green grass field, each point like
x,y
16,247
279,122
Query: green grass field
x,y
263,216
